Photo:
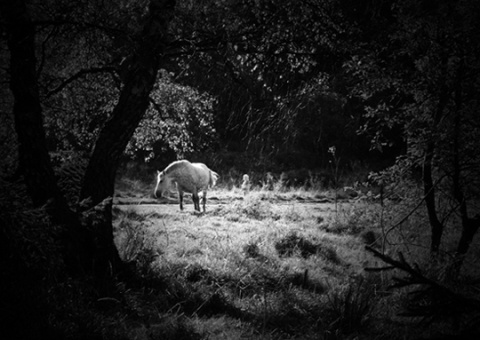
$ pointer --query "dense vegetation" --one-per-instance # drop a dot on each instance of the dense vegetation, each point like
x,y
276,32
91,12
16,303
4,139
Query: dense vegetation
x,y
380,96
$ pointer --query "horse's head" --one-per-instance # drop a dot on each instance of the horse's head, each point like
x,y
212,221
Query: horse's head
x,y
164,183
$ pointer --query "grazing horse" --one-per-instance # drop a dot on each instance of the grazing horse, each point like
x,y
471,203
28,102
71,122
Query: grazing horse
x,y
188,177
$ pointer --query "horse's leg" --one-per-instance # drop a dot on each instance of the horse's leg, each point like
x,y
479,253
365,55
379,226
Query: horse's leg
x,y
196,201
180,198
204,199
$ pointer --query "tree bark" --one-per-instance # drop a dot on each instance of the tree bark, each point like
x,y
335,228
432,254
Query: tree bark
x,y
34,159
429,192
428,184
139,80
470,226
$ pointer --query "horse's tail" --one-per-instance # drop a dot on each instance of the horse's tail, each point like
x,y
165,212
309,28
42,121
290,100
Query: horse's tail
x,y
213,178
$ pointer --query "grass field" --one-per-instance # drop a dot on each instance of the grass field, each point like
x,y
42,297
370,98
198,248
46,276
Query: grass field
x,y
284,264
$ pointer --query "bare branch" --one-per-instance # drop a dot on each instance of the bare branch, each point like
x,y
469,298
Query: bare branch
x,y
443,301
80,74
84,25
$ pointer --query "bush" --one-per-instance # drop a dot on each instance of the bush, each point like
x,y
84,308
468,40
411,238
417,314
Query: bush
x,y
348,308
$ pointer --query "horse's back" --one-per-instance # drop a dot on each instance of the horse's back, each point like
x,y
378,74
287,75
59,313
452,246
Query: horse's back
x,y
209,177
191,176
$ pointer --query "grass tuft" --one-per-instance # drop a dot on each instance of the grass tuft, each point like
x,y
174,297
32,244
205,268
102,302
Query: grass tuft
x,y
293,244
251,250
349,307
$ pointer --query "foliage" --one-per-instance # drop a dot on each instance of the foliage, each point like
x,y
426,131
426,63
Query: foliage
x,y
413,85
75,116
83,62
422,87
271,68
180,118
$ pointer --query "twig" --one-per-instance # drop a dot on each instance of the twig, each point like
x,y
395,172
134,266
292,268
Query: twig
x,y
449,297
79,74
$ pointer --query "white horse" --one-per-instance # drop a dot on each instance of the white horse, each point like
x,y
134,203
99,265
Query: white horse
x,y
188,177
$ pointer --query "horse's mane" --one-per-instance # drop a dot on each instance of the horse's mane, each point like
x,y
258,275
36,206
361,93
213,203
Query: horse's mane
x,y
175,165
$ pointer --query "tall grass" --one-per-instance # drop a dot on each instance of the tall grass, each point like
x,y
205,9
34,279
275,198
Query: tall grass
x,y
349,308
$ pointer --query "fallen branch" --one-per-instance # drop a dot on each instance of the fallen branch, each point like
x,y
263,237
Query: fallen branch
x,y
432,300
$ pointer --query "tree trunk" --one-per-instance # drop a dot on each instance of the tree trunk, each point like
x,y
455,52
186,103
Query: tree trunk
x,y
429,192
470,226
428,185
34,160
139,80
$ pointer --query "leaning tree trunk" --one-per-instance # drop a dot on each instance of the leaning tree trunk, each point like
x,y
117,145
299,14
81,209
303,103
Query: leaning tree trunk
x,y
139,79
34,160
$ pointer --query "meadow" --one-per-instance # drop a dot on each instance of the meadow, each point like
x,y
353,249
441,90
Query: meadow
x,y
286,263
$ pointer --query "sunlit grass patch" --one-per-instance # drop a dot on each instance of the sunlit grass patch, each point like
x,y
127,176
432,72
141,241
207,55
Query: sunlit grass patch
x,y
254,207
265,262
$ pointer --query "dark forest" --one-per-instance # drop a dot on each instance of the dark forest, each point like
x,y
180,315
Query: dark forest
x,y
345,136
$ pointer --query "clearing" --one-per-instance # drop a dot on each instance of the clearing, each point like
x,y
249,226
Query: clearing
x,y
265,265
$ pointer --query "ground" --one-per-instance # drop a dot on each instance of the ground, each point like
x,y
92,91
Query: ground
x,y
265,265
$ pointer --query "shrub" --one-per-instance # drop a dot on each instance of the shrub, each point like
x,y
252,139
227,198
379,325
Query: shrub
x,y
348,308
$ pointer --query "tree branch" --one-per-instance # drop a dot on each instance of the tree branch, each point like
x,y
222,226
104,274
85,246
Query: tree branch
x,y
442,301
73,23
80,74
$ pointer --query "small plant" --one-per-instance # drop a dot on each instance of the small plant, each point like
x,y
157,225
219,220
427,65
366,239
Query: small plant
x,y
349,308
136,245
336,162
